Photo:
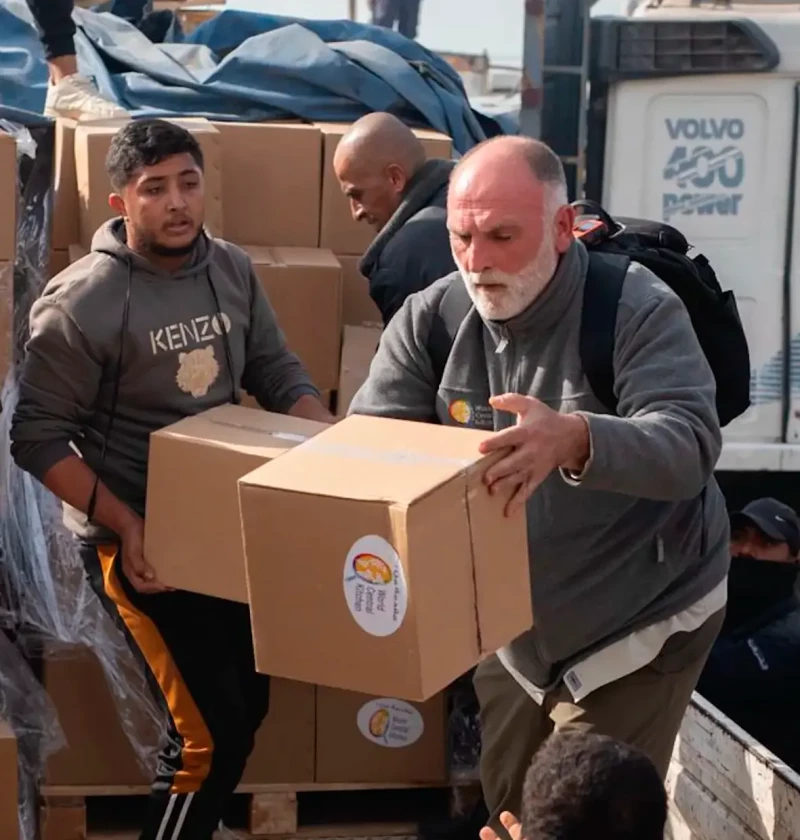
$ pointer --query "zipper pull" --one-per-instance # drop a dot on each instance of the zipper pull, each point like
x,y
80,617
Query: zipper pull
x,y
502,344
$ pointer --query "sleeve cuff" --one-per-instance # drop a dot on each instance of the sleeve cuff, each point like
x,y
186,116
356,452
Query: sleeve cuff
x,y
575,478
294,395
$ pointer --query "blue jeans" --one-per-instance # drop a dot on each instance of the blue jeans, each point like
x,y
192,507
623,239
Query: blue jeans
x,y
754,678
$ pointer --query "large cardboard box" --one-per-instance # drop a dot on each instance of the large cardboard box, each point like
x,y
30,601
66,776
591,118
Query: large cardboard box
x,y
8,196
98,751
9,783
363,739
395,588
357,306
59,260
193,536
338,231
358,349
272,177
65,188
6,318
92,141
304,286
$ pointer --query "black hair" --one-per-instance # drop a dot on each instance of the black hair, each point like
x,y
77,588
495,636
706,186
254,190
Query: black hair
x,y
583,786
146,142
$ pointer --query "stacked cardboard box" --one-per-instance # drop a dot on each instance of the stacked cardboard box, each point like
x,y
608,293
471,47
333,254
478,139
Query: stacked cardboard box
x,y
271,189
310,736
9,783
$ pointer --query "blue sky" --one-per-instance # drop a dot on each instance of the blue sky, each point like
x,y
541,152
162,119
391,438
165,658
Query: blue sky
x,y
476,25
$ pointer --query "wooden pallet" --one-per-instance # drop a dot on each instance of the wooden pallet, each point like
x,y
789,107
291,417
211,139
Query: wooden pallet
x,y
310,811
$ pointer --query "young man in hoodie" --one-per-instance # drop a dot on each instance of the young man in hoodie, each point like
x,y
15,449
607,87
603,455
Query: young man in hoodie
x,y
627,529
381,167
159,322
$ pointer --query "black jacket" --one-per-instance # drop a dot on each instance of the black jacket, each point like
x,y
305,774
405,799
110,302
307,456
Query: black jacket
x,y
413,248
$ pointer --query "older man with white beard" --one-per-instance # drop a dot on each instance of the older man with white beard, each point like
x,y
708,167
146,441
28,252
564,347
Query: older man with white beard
x,y
627,528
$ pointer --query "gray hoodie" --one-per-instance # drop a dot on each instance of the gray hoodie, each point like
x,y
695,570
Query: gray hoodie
x,y
175,362
644,533
412,249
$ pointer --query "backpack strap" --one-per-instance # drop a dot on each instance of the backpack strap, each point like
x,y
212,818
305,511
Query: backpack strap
x,y
601,294
454,305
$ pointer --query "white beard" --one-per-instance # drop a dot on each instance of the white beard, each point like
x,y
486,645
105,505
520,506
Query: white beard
x,y
513,293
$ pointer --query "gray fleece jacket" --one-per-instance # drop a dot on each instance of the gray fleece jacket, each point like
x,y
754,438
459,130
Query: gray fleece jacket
x,y
175,362
413,248
644,533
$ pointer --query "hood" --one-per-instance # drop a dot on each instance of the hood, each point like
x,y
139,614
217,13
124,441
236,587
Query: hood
x,y
422,189
110,239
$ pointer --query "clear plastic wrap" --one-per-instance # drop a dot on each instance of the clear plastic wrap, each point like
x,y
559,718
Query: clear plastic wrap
x,y
45,598
26,708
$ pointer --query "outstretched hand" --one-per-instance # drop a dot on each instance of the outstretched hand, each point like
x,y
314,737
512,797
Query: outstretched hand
x,y
511,824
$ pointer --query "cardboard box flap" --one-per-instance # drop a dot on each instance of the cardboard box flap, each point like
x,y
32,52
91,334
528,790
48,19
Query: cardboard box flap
x,y
307,257
248,430
373,459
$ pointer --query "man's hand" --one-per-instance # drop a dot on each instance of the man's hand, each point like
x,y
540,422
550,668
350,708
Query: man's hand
x,y
542,440
141,576
311,408
511,824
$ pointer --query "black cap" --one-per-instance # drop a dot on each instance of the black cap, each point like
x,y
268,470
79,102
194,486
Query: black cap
x,y
774,519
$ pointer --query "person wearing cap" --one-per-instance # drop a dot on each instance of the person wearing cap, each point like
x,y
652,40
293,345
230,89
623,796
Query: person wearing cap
x,y
753,670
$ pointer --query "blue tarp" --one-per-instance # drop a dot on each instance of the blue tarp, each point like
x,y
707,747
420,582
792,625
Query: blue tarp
x,y
247,66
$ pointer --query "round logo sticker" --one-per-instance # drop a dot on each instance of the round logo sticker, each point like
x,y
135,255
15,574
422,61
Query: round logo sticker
x,y
390,723
375,586
461,412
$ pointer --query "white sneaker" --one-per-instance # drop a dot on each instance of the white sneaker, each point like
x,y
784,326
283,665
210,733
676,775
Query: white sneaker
x,y
76,98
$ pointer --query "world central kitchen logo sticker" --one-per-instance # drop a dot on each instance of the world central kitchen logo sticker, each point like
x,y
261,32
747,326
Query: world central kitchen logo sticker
x,y
390,723
375,586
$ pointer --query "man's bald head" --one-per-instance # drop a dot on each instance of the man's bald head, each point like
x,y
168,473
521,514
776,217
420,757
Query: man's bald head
x,y
374,163
527,166
509,222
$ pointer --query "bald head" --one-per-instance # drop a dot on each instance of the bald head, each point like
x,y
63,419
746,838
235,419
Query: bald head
x,y
374,163
528,168
509,222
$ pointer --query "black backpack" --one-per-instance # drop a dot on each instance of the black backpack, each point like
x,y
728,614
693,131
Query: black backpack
x,y
612,245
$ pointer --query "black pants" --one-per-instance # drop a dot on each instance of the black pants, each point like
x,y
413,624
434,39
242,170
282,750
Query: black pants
x,y
198,656
404,13
57,29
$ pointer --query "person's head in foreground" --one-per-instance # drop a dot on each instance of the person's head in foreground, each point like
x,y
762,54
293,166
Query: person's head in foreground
x,y
374,164
509,222
583,786
766,529
156,172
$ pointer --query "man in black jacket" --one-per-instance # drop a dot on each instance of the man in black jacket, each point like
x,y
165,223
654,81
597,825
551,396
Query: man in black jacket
x,y
382,169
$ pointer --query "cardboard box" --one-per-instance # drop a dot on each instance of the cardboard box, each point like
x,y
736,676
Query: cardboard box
x,y
76,252
92,141
193,536
357,306
396,586
304,286
9,783
363,739
8,197
59,260
66,209
272,177
6,318
338,231
358,349
99,753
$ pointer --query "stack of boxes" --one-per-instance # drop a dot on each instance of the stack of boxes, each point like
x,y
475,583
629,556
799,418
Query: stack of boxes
x,y
270,188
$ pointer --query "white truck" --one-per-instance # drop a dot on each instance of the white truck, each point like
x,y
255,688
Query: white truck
x,y
692,119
